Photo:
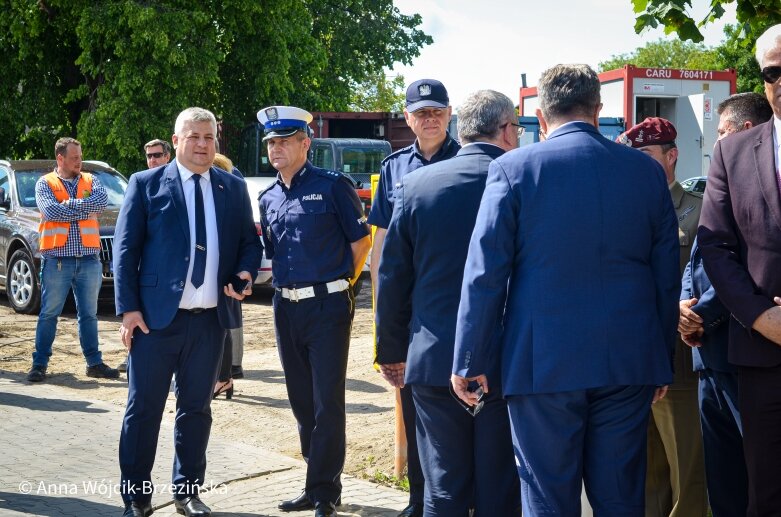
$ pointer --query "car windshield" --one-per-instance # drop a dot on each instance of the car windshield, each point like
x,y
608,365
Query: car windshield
x,y
114,184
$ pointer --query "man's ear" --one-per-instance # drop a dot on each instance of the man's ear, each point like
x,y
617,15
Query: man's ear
x,y
747,125
541,119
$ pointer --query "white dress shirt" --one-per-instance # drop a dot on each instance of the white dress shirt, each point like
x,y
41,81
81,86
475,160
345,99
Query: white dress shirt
x,y
777,143
207,295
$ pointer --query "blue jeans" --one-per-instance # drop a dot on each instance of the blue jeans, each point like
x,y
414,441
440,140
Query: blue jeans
x,y
58,276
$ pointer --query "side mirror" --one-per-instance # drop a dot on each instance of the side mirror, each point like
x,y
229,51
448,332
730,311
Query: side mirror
x,y
5,201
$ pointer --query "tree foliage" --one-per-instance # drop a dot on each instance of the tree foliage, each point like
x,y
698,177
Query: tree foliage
x,y
115,73
673,15
379,93
667,54
737,52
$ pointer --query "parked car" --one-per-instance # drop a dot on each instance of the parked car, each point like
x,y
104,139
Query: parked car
x,y
696,184
19,219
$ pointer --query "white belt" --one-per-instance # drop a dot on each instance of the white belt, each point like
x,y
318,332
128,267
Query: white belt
x,y
303,293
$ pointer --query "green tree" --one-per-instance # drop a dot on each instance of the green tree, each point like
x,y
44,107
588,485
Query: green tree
x,y
667,54
673,16
737,52
379,93
115,73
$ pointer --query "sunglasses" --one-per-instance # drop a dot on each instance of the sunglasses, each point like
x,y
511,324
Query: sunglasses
x,y
154,155
472,410
770,74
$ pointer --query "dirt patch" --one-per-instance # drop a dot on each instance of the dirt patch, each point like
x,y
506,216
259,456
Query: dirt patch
x,y
259,413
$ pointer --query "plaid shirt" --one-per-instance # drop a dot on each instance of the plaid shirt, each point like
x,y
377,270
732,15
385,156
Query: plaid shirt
x,y
72,210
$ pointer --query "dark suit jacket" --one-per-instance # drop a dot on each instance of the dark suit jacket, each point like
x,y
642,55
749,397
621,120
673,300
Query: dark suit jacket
x,y
423,261
152,244
695,284
584,231
740,238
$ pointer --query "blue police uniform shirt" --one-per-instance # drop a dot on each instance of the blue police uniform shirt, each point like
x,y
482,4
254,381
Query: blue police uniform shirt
x,y
308,229
394,167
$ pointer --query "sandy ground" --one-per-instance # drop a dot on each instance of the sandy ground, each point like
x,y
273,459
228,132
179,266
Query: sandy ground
x,y
259,414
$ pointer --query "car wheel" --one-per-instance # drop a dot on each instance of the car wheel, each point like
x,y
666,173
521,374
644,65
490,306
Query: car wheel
x,y
24,293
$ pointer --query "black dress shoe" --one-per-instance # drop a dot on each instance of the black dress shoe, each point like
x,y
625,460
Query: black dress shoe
x,y
324,509
301,502
237,372
192,506
136,509
413,510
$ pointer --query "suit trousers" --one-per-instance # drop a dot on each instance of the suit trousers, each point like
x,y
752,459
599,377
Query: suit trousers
x,y
417,481
760,412
675,483
189,349
467,461
313,338
594,437
722,439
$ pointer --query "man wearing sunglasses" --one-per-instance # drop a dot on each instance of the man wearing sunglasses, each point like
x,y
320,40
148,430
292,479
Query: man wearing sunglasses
x,y
740,241
158,152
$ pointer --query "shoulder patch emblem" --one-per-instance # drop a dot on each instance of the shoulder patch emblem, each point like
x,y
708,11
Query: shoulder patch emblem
x,y
686,212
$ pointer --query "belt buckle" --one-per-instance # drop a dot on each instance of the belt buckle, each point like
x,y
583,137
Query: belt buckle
x,y
293,294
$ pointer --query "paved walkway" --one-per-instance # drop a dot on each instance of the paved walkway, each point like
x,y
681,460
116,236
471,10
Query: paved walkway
x,y
58,456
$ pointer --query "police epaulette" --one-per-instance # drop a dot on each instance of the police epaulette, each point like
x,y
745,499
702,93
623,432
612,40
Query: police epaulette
x,y
396,153
325,173
273,184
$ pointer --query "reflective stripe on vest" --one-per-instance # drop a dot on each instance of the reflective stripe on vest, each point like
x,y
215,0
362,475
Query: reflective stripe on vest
x,y
54,234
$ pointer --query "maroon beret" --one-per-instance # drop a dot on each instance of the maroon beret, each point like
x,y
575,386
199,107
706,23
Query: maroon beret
x,y
651,131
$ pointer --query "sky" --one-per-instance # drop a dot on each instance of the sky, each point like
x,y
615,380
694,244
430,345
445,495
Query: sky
x,y
488,44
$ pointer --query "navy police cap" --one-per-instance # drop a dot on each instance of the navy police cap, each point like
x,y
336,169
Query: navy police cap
x,y
426,93
283,121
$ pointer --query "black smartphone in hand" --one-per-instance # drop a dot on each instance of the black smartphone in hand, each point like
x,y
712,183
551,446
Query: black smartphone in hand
x,y
239,284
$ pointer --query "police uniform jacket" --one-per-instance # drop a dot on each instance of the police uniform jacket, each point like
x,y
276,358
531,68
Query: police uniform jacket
x,y
394,167
308,228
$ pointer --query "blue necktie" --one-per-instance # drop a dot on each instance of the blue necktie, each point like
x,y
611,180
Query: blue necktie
x,y
199,266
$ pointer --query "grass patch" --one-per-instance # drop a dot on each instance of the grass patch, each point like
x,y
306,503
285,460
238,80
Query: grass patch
x,y
370,473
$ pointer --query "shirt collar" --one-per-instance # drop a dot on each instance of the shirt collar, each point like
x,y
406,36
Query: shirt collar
x,y
777,132
185,173
440,152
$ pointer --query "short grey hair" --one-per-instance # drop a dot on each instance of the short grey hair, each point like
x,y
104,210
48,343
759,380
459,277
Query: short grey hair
x,y
769,39
483,114
567,90
194,115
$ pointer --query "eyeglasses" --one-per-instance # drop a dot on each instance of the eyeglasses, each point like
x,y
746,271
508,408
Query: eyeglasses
x,y
521,129
771,74
428,113
154,155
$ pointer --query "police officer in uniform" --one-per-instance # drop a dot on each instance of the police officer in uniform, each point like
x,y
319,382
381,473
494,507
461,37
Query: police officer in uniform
x,y
675,484
317,239
427,113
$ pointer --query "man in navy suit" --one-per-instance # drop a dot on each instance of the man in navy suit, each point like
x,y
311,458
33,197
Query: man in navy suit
x,y
703,326
740,242
184,232
467,460
574,262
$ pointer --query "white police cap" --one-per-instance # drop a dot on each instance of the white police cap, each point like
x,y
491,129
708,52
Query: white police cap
x,y
283,121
